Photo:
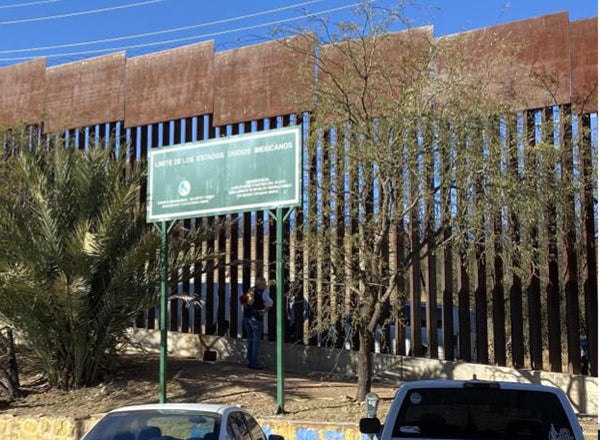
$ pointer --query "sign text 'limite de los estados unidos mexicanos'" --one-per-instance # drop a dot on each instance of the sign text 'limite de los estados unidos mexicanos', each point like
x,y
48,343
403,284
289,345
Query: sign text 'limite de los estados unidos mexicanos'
x,y
241,173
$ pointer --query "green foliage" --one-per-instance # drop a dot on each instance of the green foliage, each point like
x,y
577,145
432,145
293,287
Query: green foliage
x,y
427,157
77,260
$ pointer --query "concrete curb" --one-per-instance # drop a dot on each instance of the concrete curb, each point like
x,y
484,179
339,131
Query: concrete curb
x,y
582,391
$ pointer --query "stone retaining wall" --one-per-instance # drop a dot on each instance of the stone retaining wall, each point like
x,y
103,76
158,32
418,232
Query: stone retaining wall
x,y
44,427
68,428
582,391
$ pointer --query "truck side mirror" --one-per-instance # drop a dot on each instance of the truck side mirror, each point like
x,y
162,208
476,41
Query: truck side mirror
x,y
370,425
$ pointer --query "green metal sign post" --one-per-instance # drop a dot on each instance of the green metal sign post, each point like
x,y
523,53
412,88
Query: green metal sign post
x,y
279,301
164,228
249,172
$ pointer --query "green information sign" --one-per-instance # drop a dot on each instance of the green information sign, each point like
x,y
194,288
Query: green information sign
x,y
240,173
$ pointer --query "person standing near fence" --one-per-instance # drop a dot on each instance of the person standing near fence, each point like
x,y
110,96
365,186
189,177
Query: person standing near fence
x,y
256,302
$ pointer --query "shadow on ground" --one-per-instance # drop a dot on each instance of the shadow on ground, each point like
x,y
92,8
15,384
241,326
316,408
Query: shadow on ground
x,y
318,397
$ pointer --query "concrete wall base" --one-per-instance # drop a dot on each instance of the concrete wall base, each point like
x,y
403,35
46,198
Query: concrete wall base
x,y
581,390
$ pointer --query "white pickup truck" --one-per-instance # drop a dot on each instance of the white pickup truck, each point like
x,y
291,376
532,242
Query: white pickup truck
x,y
468,410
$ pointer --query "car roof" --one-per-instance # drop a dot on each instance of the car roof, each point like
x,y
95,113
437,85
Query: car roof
x,y
204,407
461,383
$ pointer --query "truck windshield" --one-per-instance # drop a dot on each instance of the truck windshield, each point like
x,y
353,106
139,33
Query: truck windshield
x,y
475,413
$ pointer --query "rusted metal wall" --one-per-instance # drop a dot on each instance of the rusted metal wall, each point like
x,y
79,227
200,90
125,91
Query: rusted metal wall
x,y
584,64
85,93
533,345
22,92
180,96
546,49
168,85
262,81
399,59
525,63
556,63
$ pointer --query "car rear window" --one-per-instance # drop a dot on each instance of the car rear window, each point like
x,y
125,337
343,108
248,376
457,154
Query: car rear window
x,y
157,424
481,413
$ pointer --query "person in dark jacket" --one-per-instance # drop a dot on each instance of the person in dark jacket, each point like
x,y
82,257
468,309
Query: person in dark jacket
x,y
256,302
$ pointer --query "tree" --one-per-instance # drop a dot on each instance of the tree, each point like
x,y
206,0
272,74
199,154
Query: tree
x,y
9,368
408,157
78,262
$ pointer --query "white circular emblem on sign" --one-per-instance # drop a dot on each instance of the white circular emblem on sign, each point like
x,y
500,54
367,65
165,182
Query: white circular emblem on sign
x,y
184,188
415,398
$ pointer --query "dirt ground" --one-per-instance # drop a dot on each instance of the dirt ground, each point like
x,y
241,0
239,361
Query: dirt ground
x,y
317,397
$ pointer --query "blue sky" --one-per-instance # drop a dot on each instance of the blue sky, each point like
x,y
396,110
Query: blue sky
x,y
30,24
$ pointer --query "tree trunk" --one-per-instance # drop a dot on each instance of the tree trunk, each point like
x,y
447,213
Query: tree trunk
x,y
7,387
11,356
365,364
9,370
